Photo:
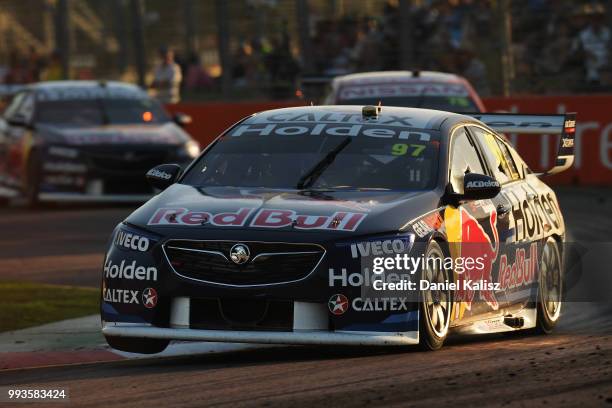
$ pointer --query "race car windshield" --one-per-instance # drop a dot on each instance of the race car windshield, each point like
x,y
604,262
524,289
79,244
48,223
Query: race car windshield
x,y
458,104
320,156
103,111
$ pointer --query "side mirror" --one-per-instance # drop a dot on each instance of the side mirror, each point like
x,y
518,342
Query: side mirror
x,y
479,187
163,176
182,119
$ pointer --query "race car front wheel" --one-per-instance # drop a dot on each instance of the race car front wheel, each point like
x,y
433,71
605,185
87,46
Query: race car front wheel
x,y
137,345
435,304
32,181
550,287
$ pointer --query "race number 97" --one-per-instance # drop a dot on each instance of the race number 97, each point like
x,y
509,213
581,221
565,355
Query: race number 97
x,y
402,149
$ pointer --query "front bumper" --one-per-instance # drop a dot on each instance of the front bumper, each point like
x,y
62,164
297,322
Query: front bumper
x,y
113,173
309,326
297,312
302,337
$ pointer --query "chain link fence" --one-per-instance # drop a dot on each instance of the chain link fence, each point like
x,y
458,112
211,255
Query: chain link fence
x,y
259,49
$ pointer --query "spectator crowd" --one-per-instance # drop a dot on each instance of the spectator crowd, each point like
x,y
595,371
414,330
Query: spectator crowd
x,y
31,67
556,46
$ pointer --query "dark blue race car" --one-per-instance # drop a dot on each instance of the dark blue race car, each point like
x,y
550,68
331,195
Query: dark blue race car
x,y
343,225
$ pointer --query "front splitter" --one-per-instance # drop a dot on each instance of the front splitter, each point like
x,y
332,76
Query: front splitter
x,y
306,337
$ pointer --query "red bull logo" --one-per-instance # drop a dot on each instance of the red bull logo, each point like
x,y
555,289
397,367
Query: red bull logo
x,y
469,240
476,243
522,271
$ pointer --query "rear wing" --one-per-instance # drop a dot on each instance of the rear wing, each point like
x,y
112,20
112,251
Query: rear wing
x,y
563,125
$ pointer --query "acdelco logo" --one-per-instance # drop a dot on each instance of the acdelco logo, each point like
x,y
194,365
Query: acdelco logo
x,y
159,174
481,184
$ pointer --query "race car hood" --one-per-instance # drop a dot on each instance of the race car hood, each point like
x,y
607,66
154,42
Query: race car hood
x,y
163,134
215,213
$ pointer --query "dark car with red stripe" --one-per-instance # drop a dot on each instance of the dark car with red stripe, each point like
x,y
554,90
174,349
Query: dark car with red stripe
x,y
86,141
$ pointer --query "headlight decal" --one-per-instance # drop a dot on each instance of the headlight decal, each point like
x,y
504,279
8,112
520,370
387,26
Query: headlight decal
x,y
65,152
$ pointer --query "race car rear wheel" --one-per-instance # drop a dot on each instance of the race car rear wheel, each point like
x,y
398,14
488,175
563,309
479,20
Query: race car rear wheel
x,y
550,287
137,345
436,304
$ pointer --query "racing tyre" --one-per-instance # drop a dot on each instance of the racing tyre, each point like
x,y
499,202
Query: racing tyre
x,y
436,305
550,288
32,183
137,345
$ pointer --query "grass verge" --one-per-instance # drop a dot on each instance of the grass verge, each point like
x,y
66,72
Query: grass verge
x,y
31,304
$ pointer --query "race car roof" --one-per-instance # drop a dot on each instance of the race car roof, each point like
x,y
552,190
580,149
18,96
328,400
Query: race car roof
x,y
86,84
353,114
394,76
57,90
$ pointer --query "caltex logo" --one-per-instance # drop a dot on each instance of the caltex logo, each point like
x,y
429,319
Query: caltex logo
x,y
149,298
338,304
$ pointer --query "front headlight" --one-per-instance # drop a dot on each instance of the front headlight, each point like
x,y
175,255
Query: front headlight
x,y
133,239
191,149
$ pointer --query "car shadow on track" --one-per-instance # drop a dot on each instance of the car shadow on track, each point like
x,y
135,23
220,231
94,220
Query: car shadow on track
x,y
271,355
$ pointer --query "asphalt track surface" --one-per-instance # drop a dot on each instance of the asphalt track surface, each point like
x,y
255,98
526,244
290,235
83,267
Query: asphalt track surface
x,y
571,367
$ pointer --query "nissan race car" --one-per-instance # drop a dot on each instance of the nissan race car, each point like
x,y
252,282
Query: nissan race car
x,y
275,233
414,89
87,141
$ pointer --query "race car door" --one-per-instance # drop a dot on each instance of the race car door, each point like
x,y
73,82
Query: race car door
x,y
473,233
516,268
16,138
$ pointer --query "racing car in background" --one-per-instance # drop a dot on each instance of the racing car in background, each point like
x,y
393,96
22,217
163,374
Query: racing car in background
x,y
87,141
416,89
269,236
